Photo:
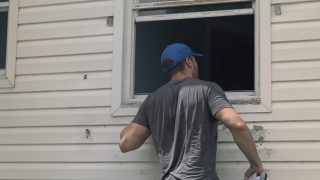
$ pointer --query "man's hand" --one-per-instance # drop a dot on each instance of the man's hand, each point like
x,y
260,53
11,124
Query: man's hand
x,y
251,171
133,136
243,138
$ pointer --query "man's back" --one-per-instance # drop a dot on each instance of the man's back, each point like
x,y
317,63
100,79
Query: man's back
x,y
180,116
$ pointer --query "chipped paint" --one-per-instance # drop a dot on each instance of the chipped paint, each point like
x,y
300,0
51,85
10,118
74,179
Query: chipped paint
x,y
245,101
182,3
257,128
259,133
131,104
260,139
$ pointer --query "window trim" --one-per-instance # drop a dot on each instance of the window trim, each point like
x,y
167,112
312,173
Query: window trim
x,y
193,15
123,52
13,13
170,4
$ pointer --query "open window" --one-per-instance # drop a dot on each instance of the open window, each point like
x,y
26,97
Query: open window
x,y
8,41
227,32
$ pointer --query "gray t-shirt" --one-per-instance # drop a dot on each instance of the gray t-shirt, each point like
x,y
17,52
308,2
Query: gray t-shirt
x,y
180,116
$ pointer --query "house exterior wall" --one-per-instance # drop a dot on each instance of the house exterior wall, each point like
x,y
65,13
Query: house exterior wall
x,y
44,119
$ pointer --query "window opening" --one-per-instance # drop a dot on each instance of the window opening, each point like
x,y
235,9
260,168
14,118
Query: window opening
x,y
227,42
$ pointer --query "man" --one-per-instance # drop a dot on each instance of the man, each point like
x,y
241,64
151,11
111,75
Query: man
x,y
182,117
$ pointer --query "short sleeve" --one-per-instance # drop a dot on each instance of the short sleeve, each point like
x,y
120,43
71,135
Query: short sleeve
x,y
217,99
141,117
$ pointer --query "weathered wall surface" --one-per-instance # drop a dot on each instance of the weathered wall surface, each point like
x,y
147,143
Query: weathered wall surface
x,y
43,120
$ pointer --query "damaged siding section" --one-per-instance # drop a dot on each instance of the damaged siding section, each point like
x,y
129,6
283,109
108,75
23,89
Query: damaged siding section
x,y
285,138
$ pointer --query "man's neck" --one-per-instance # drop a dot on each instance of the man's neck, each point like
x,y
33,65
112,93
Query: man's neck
x,y
181,76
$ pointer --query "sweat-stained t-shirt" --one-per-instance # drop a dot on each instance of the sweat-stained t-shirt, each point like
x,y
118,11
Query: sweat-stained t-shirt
x,y
180,116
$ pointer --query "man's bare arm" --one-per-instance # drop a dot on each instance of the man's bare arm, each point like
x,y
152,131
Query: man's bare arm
x,y
242,137
133,136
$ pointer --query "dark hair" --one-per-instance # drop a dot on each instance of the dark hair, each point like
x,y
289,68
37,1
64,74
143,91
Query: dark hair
x,y
179,68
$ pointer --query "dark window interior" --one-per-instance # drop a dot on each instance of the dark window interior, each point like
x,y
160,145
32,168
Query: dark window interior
x,y
232,53
226,42
3,38
4,0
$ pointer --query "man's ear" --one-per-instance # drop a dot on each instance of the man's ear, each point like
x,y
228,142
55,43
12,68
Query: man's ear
x,y
189,62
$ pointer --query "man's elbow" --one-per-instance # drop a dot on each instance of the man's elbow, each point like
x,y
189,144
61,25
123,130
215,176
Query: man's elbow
x,y
123,147
239,126
126,146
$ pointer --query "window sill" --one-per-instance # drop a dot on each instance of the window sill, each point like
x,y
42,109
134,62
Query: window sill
x,y
130,107
5,83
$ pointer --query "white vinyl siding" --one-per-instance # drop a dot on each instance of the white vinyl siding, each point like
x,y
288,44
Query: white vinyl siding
x,y
43,119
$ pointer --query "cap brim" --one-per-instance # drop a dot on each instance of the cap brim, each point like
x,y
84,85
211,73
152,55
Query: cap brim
x,y
197,54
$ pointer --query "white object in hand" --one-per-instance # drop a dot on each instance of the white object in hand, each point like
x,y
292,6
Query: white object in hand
x,y
254,177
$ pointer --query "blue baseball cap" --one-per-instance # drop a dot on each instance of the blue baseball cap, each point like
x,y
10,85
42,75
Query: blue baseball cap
x,y
177,53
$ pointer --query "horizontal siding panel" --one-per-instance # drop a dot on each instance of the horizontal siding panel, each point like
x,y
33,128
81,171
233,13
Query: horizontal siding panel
x,y
282,151
76,153
61,135
289,1
89,27
277,131
288,111
64,64
27,3
60,82
85,10
290,51
281,111
59,117
300,70
297,12
58,47
145,171
83,171
296,31
226,152
63,99
301,90
276,171
262,132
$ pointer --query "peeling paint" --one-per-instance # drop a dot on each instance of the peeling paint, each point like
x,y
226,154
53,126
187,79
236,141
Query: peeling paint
x,y
261,138
259,133
131,104
182,3
245,101
257,128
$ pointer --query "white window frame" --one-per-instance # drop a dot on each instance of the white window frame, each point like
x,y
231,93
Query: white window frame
x,y
7,76
124,103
